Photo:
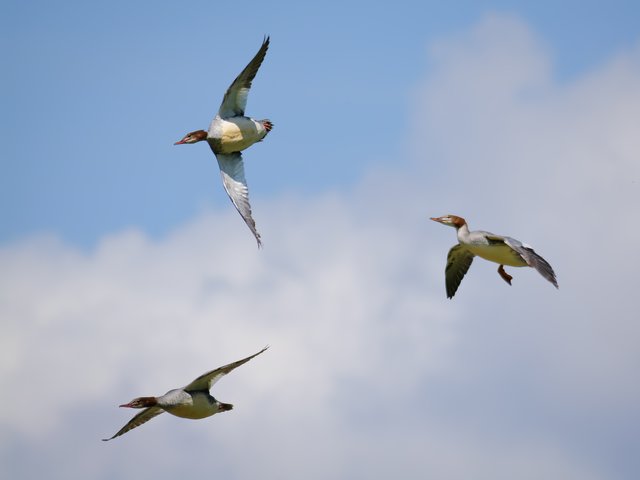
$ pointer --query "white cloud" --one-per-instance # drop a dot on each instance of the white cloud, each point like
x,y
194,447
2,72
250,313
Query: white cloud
x,y
372,372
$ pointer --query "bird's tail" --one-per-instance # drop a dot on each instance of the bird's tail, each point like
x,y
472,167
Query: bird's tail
x,y
267,124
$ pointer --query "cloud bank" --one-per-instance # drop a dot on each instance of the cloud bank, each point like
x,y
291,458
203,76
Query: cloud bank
x,y
372,373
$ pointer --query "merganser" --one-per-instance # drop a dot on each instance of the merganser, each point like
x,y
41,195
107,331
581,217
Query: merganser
x,y
495,248
192,401
231,132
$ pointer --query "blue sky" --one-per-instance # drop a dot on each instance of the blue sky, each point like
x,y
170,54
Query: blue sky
x,y
125,271
103,90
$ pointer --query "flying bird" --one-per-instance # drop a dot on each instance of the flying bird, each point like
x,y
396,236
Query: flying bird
x,y
230,132
495,248
193,401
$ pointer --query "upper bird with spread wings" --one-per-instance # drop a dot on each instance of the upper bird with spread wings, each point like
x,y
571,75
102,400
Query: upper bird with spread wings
x,y
193,401
231,132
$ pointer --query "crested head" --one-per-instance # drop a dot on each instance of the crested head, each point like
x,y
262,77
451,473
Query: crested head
x,y
141,402
451,220
193,137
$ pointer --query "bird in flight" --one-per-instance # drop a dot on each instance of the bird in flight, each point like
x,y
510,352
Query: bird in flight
x,y
495,248
193,401
230,132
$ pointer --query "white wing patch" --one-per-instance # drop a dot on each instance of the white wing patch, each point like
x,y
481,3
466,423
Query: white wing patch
x,y
235,183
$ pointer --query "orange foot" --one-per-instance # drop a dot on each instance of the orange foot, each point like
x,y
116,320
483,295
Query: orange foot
x,y
505,276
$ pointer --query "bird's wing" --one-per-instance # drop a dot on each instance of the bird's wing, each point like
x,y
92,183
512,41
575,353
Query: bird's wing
x,y
206,380
494,239
458,262
143,417
235,99
232,172
534,260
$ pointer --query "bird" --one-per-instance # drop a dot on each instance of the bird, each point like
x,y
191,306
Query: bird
x,y
495,248
193,401
231,132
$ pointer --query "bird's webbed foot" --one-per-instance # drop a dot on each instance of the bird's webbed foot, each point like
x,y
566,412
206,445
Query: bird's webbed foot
x,y
505,276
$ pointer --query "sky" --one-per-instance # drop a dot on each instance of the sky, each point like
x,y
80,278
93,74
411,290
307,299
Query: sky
x,y
125,271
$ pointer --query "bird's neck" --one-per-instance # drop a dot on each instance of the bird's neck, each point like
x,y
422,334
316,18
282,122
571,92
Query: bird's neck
x,y
463,232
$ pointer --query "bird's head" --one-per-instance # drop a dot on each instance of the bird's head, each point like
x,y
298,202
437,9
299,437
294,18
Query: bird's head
x,y
450,220
223,407
141,402
193,137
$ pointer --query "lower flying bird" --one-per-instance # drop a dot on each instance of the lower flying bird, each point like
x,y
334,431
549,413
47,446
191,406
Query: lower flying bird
x,y
231,132
495,248
193,401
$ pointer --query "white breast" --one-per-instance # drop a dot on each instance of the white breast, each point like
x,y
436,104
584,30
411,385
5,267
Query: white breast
x,y
237,133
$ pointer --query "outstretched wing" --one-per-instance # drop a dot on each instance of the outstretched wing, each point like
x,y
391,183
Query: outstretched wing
x,y
232,171
534,260
458,262
143,417
235,100
206,381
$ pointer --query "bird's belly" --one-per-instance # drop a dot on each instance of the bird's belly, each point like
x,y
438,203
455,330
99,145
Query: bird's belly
x,y
236,134
201,407
502,254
